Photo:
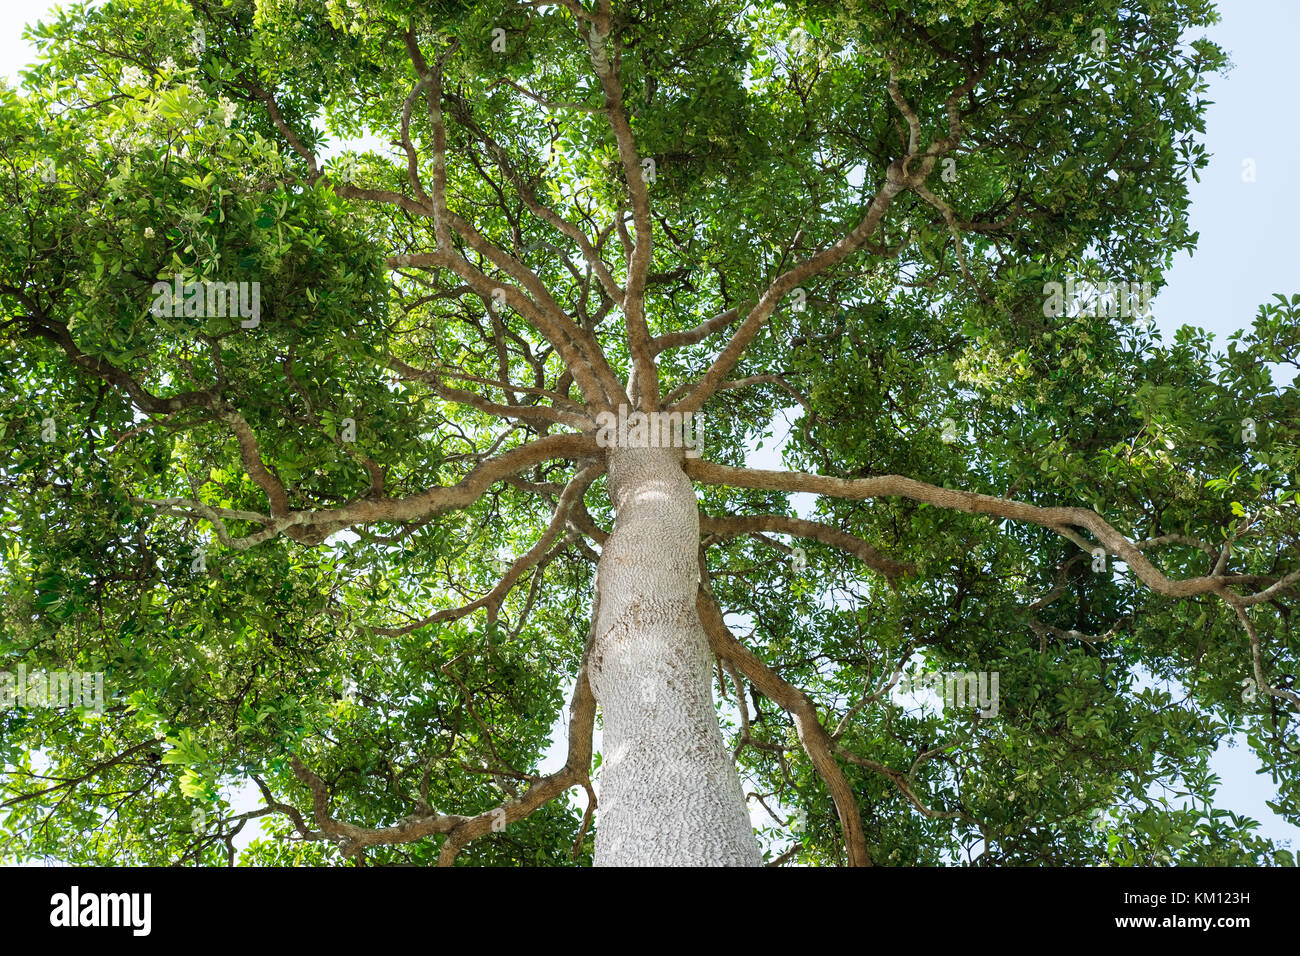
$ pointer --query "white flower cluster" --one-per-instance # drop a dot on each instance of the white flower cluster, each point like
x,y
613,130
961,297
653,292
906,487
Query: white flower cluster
x,y
347,168
228,111
123,142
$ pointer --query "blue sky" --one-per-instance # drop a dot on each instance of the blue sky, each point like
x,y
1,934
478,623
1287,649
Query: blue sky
x,y
1249,248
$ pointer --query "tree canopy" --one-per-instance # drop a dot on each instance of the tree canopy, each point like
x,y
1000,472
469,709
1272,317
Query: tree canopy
x,y
342,549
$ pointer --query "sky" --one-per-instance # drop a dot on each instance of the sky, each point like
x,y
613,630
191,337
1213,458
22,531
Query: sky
x,y
1249,248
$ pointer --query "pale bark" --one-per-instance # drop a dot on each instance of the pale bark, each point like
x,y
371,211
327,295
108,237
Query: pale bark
x,y
669,791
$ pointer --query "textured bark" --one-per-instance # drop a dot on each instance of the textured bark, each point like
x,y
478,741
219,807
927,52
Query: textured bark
x,y
670,794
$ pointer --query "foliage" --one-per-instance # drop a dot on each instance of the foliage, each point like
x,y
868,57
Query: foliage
x,y
189,138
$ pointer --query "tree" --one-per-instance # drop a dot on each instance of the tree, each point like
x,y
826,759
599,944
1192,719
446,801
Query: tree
x,y
344,470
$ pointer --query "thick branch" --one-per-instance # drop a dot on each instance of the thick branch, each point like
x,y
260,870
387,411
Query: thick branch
x,y
531,413
533,204
702,331
567,338
787,281
899,176
799,527
645,385
1060,520
816,742
573,491
432,501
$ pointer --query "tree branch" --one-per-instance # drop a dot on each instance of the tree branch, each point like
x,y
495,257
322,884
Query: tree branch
x,y
816,742
731,527
644,387
573,491
431,501
1058,519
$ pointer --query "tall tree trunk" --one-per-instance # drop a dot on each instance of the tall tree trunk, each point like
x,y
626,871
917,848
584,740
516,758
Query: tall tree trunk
x,y
670,794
